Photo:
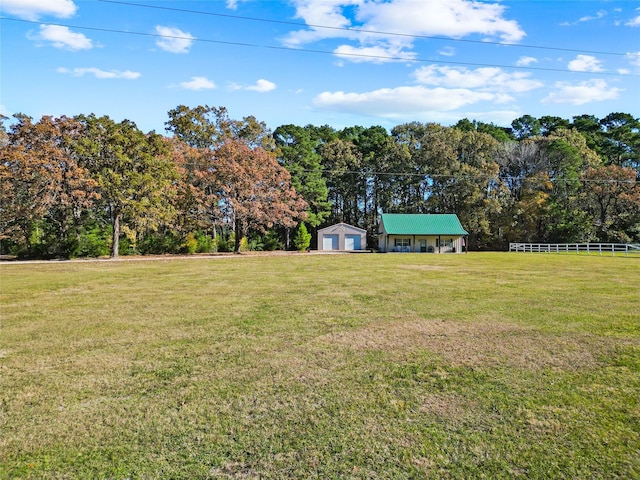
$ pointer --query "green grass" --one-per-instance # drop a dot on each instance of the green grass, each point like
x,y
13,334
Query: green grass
x,y
349,366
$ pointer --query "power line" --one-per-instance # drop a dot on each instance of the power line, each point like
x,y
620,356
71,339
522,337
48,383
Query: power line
x,y
359,30
467,177
431,176
325,52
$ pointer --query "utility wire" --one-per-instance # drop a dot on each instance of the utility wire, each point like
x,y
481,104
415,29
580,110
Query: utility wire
x,y
452,176
359,30
325,52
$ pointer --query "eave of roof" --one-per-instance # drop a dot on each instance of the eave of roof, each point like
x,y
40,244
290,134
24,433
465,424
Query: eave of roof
x,y
345,225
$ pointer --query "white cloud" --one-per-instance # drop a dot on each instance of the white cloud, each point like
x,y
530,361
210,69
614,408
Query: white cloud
x,y
401,101
585,63
174,40
453,18
375,54
447,52
634,58
526,61
597,16
198,83
634,22
101,74
262,86
233,4
328,13
484,79
584,92
62,37
442,93
587,18
34,9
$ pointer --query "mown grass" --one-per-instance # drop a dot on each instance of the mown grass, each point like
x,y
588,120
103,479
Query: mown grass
x,y
351,366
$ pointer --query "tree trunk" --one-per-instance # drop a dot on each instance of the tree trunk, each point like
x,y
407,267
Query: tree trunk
x,y
116,235
238,230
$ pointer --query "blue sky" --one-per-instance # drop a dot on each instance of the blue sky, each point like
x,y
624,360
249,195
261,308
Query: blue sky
x,y
334,62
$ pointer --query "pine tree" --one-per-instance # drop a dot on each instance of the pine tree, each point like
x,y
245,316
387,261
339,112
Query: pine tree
x,y
302,240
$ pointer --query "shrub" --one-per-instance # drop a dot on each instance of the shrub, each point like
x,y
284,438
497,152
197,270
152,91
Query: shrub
x,y
302,240
226,245
190,244
244,244
158,243
93,242
271,242
206,244
126,247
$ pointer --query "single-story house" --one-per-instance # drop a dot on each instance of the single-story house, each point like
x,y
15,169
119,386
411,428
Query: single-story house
x,y
342,236
435,233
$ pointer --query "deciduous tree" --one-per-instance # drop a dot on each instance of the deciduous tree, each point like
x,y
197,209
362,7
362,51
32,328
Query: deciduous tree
x,y
208,127
613,196
255,191
42,181
135,174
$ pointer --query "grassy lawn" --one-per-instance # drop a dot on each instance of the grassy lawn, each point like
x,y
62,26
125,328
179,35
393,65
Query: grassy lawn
x,y
395,366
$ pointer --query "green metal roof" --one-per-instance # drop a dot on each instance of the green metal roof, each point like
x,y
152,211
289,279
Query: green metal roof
x,y
422,224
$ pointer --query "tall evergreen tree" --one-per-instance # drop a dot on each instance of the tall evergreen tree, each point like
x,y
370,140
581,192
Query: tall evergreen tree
x,y
297,153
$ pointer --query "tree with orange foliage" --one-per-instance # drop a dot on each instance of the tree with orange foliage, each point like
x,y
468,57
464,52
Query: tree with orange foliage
x,y
196,198
255,191
43,184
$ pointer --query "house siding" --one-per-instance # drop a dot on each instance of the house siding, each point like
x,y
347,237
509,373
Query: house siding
x,y
432,244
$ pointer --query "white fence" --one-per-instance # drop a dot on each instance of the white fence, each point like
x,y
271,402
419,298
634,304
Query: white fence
x,y
588,248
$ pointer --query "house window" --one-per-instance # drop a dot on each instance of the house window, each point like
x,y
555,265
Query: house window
x,y
402,245
448,242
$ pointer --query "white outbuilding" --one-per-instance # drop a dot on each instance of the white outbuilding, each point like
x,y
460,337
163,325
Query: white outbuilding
x,y
342,237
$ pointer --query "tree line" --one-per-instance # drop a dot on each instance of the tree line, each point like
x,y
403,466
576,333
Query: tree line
x,y
90,186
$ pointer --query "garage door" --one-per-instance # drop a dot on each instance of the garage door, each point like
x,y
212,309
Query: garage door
x,y
352,242
330,242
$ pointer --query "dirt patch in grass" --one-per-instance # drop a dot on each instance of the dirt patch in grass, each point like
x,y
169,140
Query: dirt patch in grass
x,y
482,344
233,470
447,405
